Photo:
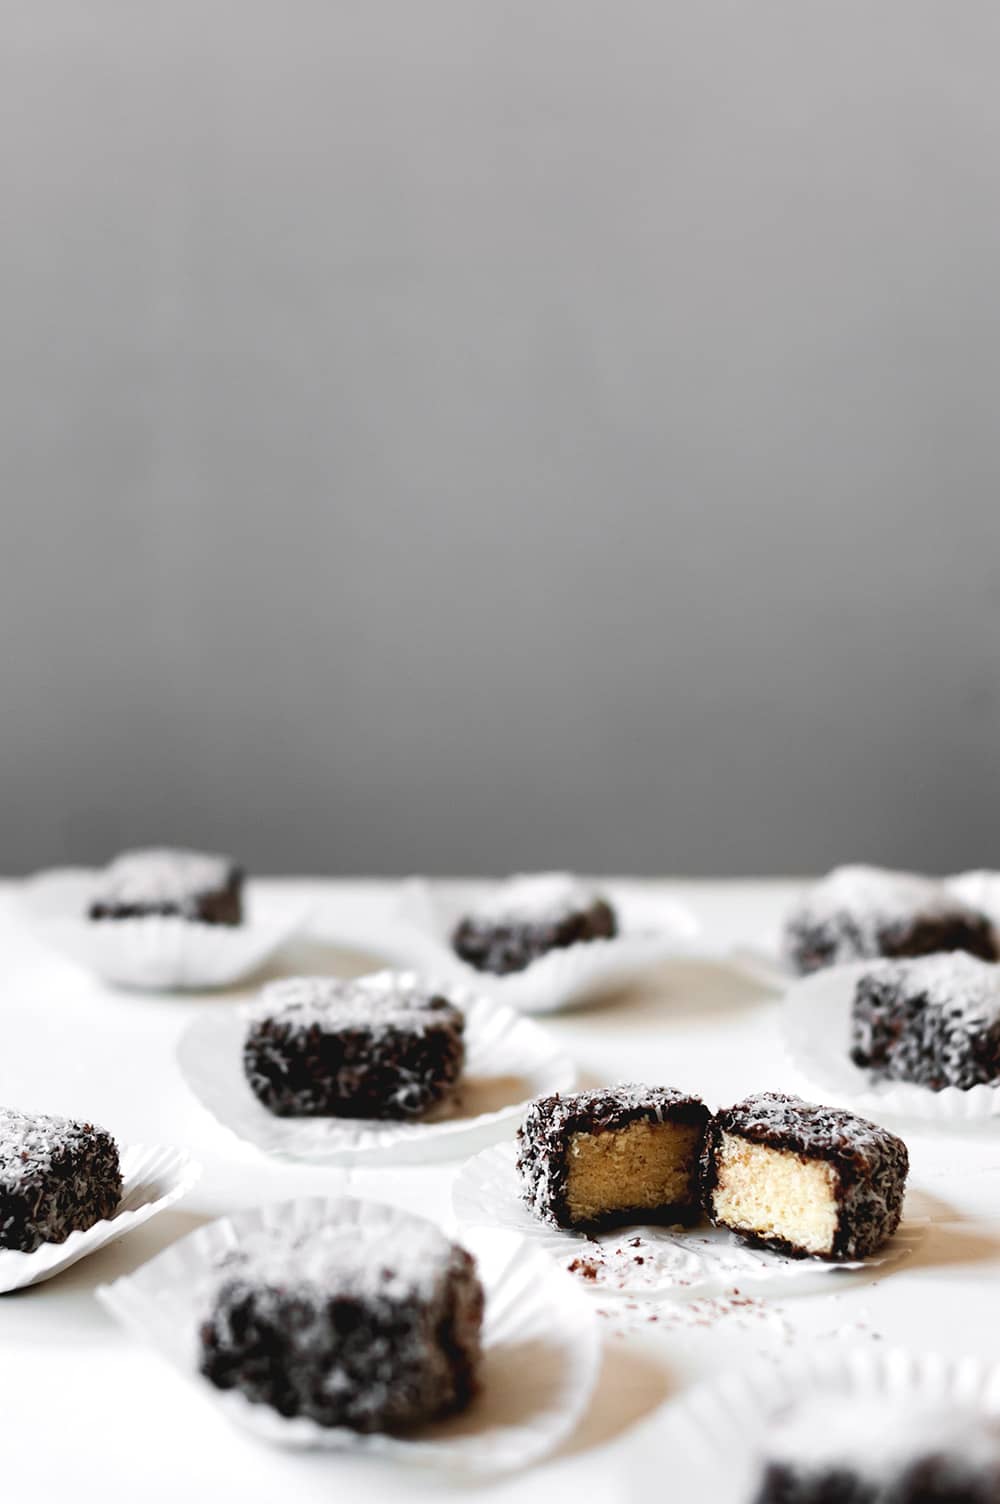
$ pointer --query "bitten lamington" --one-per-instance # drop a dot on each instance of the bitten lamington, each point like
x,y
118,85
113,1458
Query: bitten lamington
x,y
337,1326
860,913
170,884
618,1155
803,1180
935,1022
57,1176
529,916
377,1047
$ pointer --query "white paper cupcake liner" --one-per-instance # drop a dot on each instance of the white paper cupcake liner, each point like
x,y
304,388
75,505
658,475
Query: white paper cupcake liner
x,y
157,954
509,1060
154,1177
720,1427
541,1349
643,1261
654,929
816,1029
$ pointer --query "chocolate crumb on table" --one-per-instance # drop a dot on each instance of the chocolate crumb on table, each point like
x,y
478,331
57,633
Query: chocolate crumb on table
x,y
57,1176
803,1180
376,1047
934,1021
346,1326
527,917
859,913
617,1155
167,883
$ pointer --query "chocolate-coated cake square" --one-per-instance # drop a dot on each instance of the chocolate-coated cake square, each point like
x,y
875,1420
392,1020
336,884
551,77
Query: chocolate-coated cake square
x,y
860,913
527,917
803,1180
57,1176
618,1155
381,1046
934,1021
170,884
346,1327
863,1449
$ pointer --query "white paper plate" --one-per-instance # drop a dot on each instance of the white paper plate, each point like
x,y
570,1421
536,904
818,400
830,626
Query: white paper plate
x,y
158,954
643,1260
719,1428
816,1028
541,1349
509,1060
653,929
154,1178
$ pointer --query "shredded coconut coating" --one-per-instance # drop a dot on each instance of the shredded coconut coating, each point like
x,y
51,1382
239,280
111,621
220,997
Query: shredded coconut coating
x,y
538,898
934,1021
377,1047
57,1176
889,1447
527,917
349,1327
859,913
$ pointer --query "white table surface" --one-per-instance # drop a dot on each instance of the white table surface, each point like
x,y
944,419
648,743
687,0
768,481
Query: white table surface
x,y
88,1414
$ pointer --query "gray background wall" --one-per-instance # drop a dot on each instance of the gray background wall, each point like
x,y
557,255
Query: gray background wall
x,y
474,436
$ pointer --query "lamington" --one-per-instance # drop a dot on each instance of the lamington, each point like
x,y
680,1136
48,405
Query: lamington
x,y
618,1155
803,1180
381,1046
527,917
57,1176
934,1021
188,885
860,913
344,1328
854,1450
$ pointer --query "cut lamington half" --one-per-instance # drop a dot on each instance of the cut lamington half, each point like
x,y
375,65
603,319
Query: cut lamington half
x,y
935,1022
803,1180
617,1155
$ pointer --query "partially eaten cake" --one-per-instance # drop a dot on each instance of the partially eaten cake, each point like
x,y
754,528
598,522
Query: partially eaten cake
x,y
345,1327
935,1022
170,884
57,1176
527,917
614,1156
859,913
803,1180
870,1450
382,1046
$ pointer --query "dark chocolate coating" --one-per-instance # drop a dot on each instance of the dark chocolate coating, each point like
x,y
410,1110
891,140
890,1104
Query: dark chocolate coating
x,y
222,905
353,1069
543,1142
813,944
46,1196
871,1165
504,946
899,1033
399,1360
783,1484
